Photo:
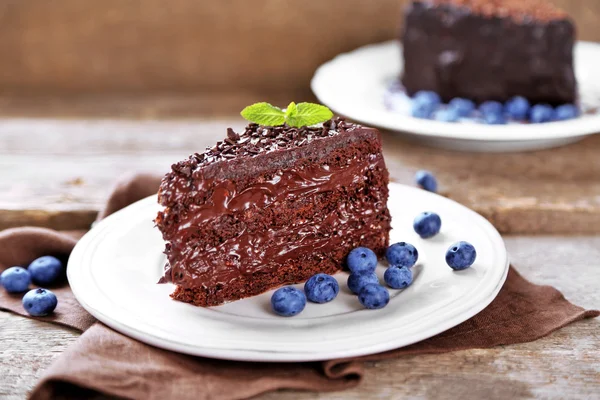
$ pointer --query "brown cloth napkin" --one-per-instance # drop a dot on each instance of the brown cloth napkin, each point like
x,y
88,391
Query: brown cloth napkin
x,y
106,362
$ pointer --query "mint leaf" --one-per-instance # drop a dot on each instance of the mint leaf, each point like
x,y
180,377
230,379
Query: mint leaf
x,y
295,115
306,114
264,114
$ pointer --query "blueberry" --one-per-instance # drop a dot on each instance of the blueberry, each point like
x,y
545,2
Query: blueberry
x,y
374,296
463,107
447,115
566,111
288,301
361,260
427,224
494,119
321,288
426,180
45,270
461,255
39,302
491,107
422,110
402,254
517,107
424,103
15,279
357,281
398,277
427,97
541,113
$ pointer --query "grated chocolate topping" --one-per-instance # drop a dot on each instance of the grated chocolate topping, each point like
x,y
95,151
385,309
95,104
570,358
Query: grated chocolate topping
x,y
257,139
519,10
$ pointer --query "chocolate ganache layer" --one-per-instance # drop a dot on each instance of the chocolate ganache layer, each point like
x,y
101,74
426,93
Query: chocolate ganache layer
x,y
276,212
489,50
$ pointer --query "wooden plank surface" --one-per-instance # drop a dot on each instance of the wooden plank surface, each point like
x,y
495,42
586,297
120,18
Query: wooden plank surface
x,y
564,365
57,173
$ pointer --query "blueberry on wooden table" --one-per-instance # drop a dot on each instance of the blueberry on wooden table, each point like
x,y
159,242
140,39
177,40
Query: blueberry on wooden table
x,y
15,279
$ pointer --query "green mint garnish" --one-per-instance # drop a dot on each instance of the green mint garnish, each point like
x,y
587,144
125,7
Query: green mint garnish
x,y
296,115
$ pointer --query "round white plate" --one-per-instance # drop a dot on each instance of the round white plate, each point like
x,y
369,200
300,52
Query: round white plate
x,y
357,85
114,269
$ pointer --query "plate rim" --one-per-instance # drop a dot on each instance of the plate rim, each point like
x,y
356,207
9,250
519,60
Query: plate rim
x,y
266,355
388,120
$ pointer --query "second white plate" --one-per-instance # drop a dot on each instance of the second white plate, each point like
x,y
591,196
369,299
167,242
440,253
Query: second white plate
x,y
114,270
355,85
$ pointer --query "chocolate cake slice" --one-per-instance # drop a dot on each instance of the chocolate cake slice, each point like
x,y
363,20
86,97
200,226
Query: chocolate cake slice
x,y
272,206
489,50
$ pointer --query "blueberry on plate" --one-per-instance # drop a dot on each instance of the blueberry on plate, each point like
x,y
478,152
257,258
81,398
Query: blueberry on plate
x,y
426,180
427,224
427,97
321,288
494,119
461,255
424,103
541,113
374,296
422,110
288,301
463,107
398,277
45,270
361,260
517,108
565,112
15,279
447,115
402,254
358,281
39,302
491,107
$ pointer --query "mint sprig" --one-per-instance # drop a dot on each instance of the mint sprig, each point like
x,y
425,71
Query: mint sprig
x,y
295,115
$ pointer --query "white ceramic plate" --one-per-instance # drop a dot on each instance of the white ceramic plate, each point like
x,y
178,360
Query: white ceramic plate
x,y
114,269
356,85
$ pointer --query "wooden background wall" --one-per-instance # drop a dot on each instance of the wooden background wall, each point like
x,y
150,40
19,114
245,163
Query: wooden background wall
x,y
153,57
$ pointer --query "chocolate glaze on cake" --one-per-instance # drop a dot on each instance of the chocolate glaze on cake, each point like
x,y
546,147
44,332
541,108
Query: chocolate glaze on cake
x,y
272,206
489,50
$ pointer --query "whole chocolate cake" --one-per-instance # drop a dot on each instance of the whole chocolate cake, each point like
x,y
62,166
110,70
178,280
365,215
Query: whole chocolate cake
x,y
272,206
489,50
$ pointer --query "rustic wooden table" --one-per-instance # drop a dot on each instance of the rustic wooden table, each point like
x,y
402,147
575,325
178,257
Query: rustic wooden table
x,y
57,174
